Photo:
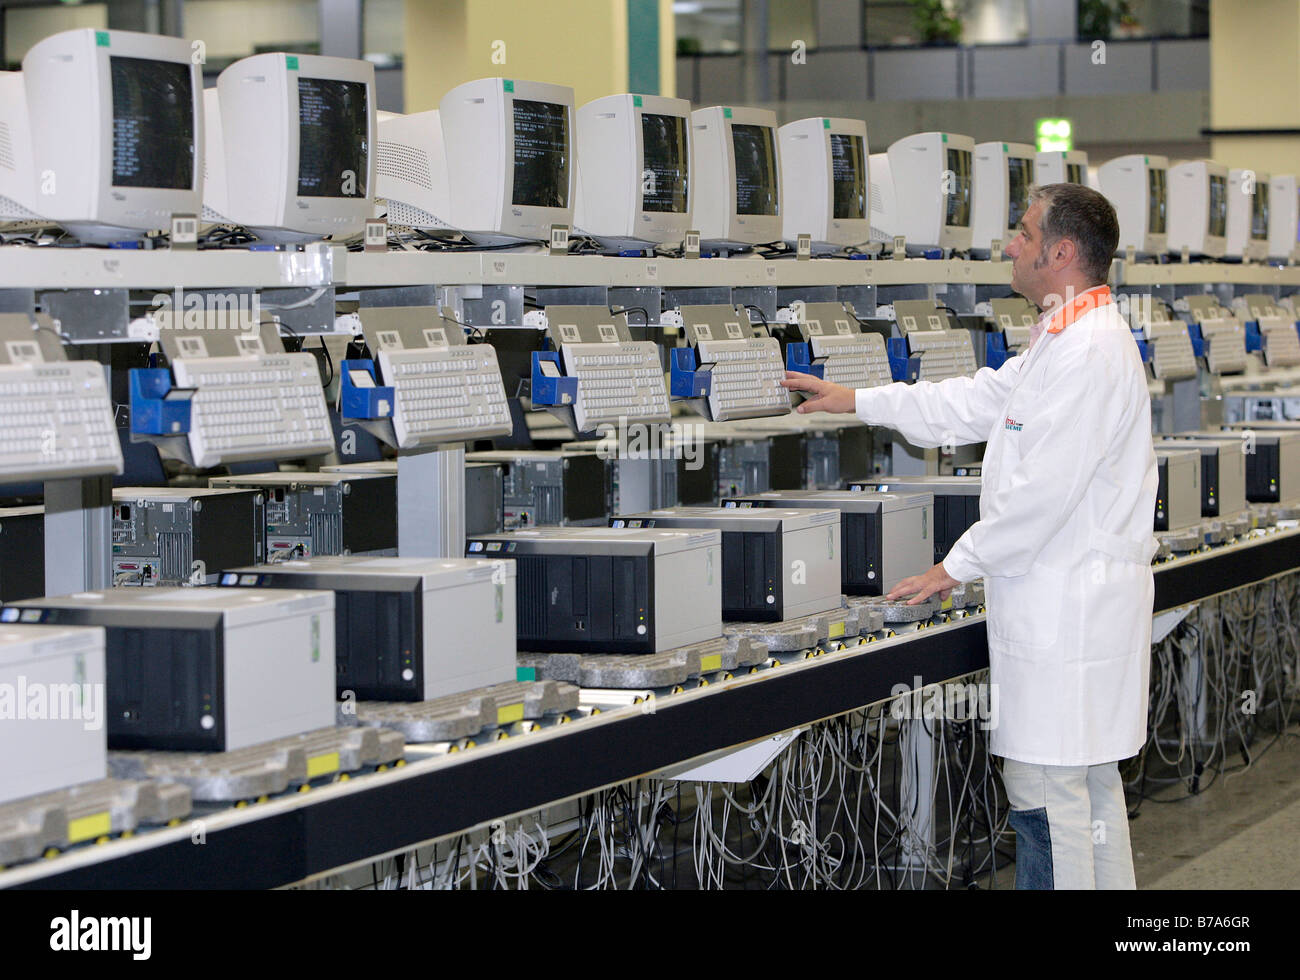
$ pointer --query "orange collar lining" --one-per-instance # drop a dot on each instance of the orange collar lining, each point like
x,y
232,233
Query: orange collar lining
x,y
1083,303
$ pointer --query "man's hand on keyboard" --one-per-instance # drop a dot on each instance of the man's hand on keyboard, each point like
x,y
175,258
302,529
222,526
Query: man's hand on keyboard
x,y
822,396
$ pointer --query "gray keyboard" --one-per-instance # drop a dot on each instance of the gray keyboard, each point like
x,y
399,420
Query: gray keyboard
x,y
1226,340
445,394
269,406
946,354
746,378
56,420
1172,356
624,380
1281,341
856,361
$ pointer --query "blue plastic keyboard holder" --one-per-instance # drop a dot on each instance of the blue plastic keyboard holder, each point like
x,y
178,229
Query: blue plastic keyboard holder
x,y
550,390
151,413
685,379
360,402
1197,338
995,349
902,366
1254,338
798,357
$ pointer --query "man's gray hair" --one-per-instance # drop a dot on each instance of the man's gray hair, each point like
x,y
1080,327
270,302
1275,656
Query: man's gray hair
x,y
1085,217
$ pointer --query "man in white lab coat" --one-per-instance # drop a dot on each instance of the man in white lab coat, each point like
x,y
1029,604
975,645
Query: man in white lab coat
x,y
1064,540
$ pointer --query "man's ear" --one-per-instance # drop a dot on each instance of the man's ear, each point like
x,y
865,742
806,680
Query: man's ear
x,y
1063,253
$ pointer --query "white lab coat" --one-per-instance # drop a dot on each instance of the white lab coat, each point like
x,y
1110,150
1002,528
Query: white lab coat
x,y
1064,540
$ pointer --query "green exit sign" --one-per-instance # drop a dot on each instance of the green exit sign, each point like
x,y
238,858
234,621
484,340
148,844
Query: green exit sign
x,y
1054,134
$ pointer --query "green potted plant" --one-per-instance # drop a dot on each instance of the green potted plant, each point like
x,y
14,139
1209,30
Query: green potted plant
x,y
935,23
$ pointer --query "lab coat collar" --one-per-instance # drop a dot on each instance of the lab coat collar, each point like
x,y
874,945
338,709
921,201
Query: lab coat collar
x,y
1081,304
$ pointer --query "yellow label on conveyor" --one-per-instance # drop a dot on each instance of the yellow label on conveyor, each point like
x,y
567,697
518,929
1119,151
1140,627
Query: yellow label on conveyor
x,y
319,765
837,629
711,662
946,604
510,714
85,828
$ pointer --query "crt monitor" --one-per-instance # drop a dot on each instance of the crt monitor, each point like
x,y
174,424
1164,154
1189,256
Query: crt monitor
x,y
296,136
508,145
1062,167
825,178
1248,208
1198,207
1283,215
738,176
17,179
1136,186
1004,172
116,126
921,189
634,183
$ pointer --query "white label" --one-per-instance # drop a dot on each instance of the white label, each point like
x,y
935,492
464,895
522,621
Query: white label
x,y
435,336
24,352
608,333
192,346
734,331
390,339
652,270
376,235
185,231
842,328
250,344
703,331
569,334
814,327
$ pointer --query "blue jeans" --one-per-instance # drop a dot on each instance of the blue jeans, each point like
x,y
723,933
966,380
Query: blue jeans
x,y
1071,826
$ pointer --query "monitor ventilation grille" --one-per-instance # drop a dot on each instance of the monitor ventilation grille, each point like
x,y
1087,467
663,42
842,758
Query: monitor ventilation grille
x,y
405,216
6,148
405,163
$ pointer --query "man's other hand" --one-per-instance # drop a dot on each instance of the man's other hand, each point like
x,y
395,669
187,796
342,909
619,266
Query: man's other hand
x,y
823,396
921,587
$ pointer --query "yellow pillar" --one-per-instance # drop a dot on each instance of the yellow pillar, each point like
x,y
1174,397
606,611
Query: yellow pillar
x,y
1254,78
585,44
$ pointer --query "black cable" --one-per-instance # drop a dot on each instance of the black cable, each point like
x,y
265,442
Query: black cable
x,y
329,361
761,315
632,309
476,333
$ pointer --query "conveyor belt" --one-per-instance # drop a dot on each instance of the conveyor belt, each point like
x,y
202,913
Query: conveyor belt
x,y
439,794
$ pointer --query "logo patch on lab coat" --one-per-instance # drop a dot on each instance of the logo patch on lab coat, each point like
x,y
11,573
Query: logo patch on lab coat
x,y
1012,425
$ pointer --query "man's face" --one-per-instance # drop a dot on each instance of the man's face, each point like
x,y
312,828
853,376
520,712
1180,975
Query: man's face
x,y
1030,274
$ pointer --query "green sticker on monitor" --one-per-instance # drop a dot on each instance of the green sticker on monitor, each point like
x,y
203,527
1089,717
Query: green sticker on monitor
x,y
291,62
636,101
508,84
944,137
826,124
525,674
726,112
1005,149
101,39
